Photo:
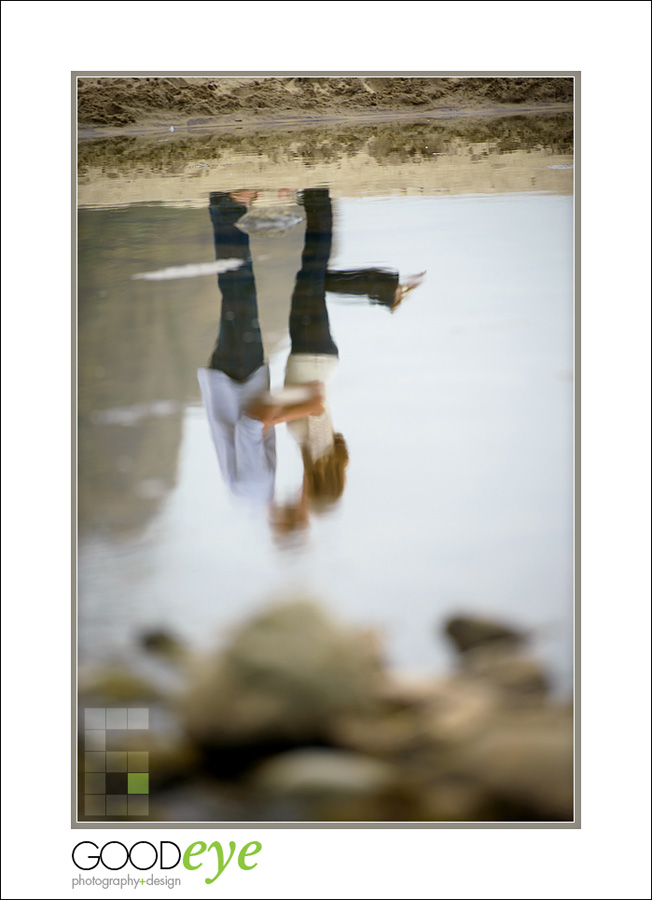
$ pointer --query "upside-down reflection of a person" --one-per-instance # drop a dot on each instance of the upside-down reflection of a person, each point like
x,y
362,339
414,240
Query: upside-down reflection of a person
x,y
235,386
314,358
312,362
237,373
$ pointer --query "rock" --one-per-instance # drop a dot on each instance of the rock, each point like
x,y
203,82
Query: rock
x,y
171,761
520,678
451,798
315,772
201,799
424,737
325,785
452,711
163,644
283,678
526,761
113,685
468,632
461,708
404,692
388,735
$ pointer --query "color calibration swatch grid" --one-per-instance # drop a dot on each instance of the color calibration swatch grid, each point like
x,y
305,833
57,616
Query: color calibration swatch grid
x,y
116,781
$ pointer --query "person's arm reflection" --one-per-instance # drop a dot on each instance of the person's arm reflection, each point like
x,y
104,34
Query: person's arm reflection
x,y
237,374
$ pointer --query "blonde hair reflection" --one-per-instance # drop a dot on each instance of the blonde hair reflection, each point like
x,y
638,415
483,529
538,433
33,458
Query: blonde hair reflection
x,y
325,478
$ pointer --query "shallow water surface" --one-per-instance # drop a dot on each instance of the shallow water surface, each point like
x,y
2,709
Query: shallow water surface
x,y
456,407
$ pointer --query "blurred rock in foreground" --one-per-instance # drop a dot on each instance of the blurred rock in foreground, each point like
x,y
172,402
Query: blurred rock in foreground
x,y
469,632
286,675
297,718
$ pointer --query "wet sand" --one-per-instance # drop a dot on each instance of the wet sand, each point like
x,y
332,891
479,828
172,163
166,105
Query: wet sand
x,y
473,154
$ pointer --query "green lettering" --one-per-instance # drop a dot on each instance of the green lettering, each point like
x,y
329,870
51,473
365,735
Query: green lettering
x,y
221,865
192,852
244,853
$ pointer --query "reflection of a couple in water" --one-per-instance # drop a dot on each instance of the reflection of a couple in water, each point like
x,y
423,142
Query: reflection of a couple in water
x,y
235,385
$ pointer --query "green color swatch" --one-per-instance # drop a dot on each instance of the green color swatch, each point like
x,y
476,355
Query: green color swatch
x,y
137,783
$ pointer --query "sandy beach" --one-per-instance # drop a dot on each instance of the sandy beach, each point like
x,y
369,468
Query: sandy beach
x,y
109,105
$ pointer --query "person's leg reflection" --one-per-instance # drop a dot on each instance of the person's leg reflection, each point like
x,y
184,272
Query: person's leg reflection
x,y
309,325
236,375
239,348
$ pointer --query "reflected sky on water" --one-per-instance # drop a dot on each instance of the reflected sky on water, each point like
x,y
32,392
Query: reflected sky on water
x,y
455,408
